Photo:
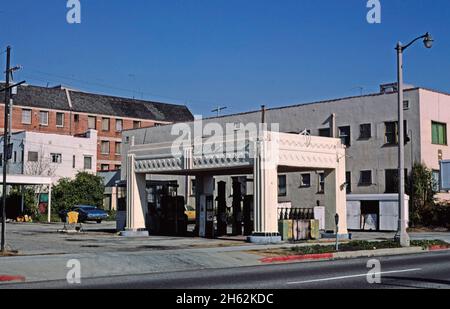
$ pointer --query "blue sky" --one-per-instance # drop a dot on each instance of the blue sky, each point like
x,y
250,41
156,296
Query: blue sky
x,y
235,53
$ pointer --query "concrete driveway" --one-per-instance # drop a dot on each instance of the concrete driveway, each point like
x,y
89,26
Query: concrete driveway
x,y
44,239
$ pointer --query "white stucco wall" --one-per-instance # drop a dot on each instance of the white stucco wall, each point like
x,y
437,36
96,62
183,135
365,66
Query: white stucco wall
x,y
47,144
433,107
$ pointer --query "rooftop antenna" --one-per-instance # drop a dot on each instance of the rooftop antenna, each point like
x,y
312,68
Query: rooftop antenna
x,y
218,110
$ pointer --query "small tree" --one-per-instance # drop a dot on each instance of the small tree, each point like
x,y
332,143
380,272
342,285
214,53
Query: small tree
x,y
422,191
85,189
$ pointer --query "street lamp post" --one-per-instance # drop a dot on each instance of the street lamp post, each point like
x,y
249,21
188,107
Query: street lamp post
x,y
402,224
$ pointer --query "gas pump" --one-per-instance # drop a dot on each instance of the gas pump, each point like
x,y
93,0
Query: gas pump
x,y
206,216
221,209
248,215
237,208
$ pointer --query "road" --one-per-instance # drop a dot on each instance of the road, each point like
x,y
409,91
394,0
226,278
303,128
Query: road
x,y
424,271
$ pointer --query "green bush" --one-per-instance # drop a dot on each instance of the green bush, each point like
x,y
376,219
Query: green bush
x,y
85,189
421,189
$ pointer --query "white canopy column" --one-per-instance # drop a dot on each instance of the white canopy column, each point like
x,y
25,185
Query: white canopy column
x,y
265,193
136,201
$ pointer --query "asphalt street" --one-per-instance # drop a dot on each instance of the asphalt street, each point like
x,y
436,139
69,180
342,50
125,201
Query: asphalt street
x,y
420,271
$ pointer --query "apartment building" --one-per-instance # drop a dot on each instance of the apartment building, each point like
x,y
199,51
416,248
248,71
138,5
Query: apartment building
x,y
366,124
64,111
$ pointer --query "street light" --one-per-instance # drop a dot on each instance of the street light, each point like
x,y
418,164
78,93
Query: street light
x,y
402,233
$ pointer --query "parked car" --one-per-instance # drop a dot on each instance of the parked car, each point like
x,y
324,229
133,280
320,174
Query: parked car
x,y
86,213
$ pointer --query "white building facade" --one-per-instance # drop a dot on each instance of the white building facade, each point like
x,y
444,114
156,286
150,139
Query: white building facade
x,y
52,155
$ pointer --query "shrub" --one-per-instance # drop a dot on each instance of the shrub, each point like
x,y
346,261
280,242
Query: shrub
x,y
85,189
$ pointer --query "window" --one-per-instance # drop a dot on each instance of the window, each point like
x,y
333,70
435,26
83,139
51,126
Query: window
x,y
348,182
15,157
344,135
76,118
365,178
365,131
60,120
118,148
33,156
74,162
136,124
305,180
92,122
87,162
105,167
439,133
119,125
1,159
105,147
391,132
26,116
325,132
118,167
43,118
436,181
391,180
56,158
321,189
406,105
105,124
282,189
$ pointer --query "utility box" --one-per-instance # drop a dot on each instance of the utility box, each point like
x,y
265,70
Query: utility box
x,y
285,229
314,229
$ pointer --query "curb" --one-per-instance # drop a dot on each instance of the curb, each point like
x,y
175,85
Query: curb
x,y
351,254
8,278
307,257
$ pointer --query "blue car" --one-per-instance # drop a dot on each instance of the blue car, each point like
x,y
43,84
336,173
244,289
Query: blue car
x,y
86,213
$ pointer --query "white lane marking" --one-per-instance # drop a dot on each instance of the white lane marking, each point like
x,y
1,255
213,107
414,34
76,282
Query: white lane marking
x,y
356,276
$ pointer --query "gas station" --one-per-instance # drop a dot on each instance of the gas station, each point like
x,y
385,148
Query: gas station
x,y
255,159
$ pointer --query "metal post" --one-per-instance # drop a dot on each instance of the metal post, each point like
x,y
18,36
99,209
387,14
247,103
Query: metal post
x,y
336,218
402,233
5,148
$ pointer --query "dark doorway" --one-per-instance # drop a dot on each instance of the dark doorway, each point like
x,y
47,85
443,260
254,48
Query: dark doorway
x,y
370,215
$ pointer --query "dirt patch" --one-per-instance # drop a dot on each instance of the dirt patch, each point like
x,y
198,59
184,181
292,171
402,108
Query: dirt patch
x,y
9,253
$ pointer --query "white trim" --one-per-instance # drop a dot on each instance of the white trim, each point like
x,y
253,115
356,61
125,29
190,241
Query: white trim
x,y
374,197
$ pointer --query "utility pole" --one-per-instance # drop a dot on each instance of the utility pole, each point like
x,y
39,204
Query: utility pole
x,y
5,147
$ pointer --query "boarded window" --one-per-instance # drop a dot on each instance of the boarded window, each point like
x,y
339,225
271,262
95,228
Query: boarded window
x,y
26,116
43,118
119,125
105,124
92,122
60,120
87,163
105,147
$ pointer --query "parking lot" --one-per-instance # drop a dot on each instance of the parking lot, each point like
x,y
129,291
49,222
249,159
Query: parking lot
x,y
44,239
